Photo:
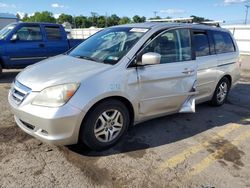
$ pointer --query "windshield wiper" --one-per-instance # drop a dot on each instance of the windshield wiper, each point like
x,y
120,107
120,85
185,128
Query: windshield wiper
x,y
88,58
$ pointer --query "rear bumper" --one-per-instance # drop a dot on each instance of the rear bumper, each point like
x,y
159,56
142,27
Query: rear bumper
x,y
59,126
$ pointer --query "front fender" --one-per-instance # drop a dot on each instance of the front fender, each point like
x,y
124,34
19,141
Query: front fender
x,y
100,87
87,102
114,82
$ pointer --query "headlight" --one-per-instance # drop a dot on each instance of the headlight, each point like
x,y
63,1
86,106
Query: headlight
x,y
55,96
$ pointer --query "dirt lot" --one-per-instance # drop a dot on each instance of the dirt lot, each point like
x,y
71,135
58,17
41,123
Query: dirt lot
x,y
207,149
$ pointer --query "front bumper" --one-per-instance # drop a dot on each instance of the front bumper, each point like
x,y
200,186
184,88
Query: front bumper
x,y
59,126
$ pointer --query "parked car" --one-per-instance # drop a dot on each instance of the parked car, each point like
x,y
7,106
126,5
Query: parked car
x,y
122,76
23,44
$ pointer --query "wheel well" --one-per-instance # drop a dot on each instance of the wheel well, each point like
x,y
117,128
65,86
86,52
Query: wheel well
x,y
125,101
229,78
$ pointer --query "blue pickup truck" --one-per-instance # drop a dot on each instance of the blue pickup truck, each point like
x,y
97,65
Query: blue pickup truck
x,y
23,44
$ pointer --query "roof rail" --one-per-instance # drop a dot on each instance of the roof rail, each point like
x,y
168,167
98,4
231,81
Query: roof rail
x,y
188,20
213,23
178,20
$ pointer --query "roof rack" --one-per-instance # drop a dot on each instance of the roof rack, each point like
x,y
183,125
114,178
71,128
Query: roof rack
x,y
212,23
188,20
178,20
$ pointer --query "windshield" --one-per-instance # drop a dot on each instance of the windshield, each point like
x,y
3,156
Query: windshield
x,y
109,45
6,30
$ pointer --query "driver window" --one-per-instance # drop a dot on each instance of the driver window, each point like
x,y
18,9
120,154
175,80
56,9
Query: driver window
x,y
29,33
173,46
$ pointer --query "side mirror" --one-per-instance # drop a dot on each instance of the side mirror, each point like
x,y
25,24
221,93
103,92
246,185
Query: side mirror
x,y
14,38
150,58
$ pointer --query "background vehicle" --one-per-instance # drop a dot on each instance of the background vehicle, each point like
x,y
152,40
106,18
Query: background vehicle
x,y
23,44
122,76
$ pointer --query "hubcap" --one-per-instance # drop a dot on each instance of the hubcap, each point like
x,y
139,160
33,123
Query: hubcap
x,y
108,125
222,92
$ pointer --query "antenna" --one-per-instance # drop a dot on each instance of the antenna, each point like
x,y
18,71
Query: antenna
x,y
247,7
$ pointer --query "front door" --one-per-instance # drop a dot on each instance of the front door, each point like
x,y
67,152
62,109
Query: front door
x,y
28,46
167,87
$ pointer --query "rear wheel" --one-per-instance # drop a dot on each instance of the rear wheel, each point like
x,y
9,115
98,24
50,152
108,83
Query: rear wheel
x,y
105,125
221,92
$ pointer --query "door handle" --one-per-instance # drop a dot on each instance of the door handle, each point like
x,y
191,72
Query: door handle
x,y
41,45
188,71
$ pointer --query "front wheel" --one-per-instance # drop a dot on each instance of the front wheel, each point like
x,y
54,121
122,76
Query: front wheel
x,y
105,125
221,92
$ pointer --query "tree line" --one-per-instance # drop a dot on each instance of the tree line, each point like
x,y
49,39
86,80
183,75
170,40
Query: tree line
x,y
94,20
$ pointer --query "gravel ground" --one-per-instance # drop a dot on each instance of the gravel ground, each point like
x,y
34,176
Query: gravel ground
x,y
206,149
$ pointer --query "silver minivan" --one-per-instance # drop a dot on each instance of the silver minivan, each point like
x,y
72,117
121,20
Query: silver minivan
x,y
122,76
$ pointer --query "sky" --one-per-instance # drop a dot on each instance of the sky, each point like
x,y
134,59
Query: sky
x,y
228,10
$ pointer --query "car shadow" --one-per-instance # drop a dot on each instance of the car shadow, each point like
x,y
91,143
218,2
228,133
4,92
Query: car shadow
x,y
174,128
8,76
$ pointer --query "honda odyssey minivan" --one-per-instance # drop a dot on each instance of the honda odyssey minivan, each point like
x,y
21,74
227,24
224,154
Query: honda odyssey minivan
x,y
121,76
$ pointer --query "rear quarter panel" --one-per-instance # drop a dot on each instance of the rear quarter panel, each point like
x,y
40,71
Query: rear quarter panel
x,y
228,64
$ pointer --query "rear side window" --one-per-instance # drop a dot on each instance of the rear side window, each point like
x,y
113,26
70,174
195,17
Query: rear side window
x,y
223,42
53,33
201,44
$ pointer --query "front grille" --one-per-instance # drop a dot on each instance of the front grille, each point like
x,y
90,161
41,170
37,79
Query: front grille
x,y
19,92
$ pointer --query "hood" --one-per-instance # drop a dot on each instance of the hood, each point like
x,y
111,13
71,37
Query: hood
x,y
59,70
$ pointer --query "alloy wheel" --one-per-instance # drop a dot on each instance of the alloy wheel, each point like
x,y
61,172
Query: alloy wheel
x,y
108,125
222,92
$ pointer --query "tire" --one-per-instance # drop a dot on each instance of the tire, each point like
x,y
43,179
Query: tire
x,y
221,92
104,125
